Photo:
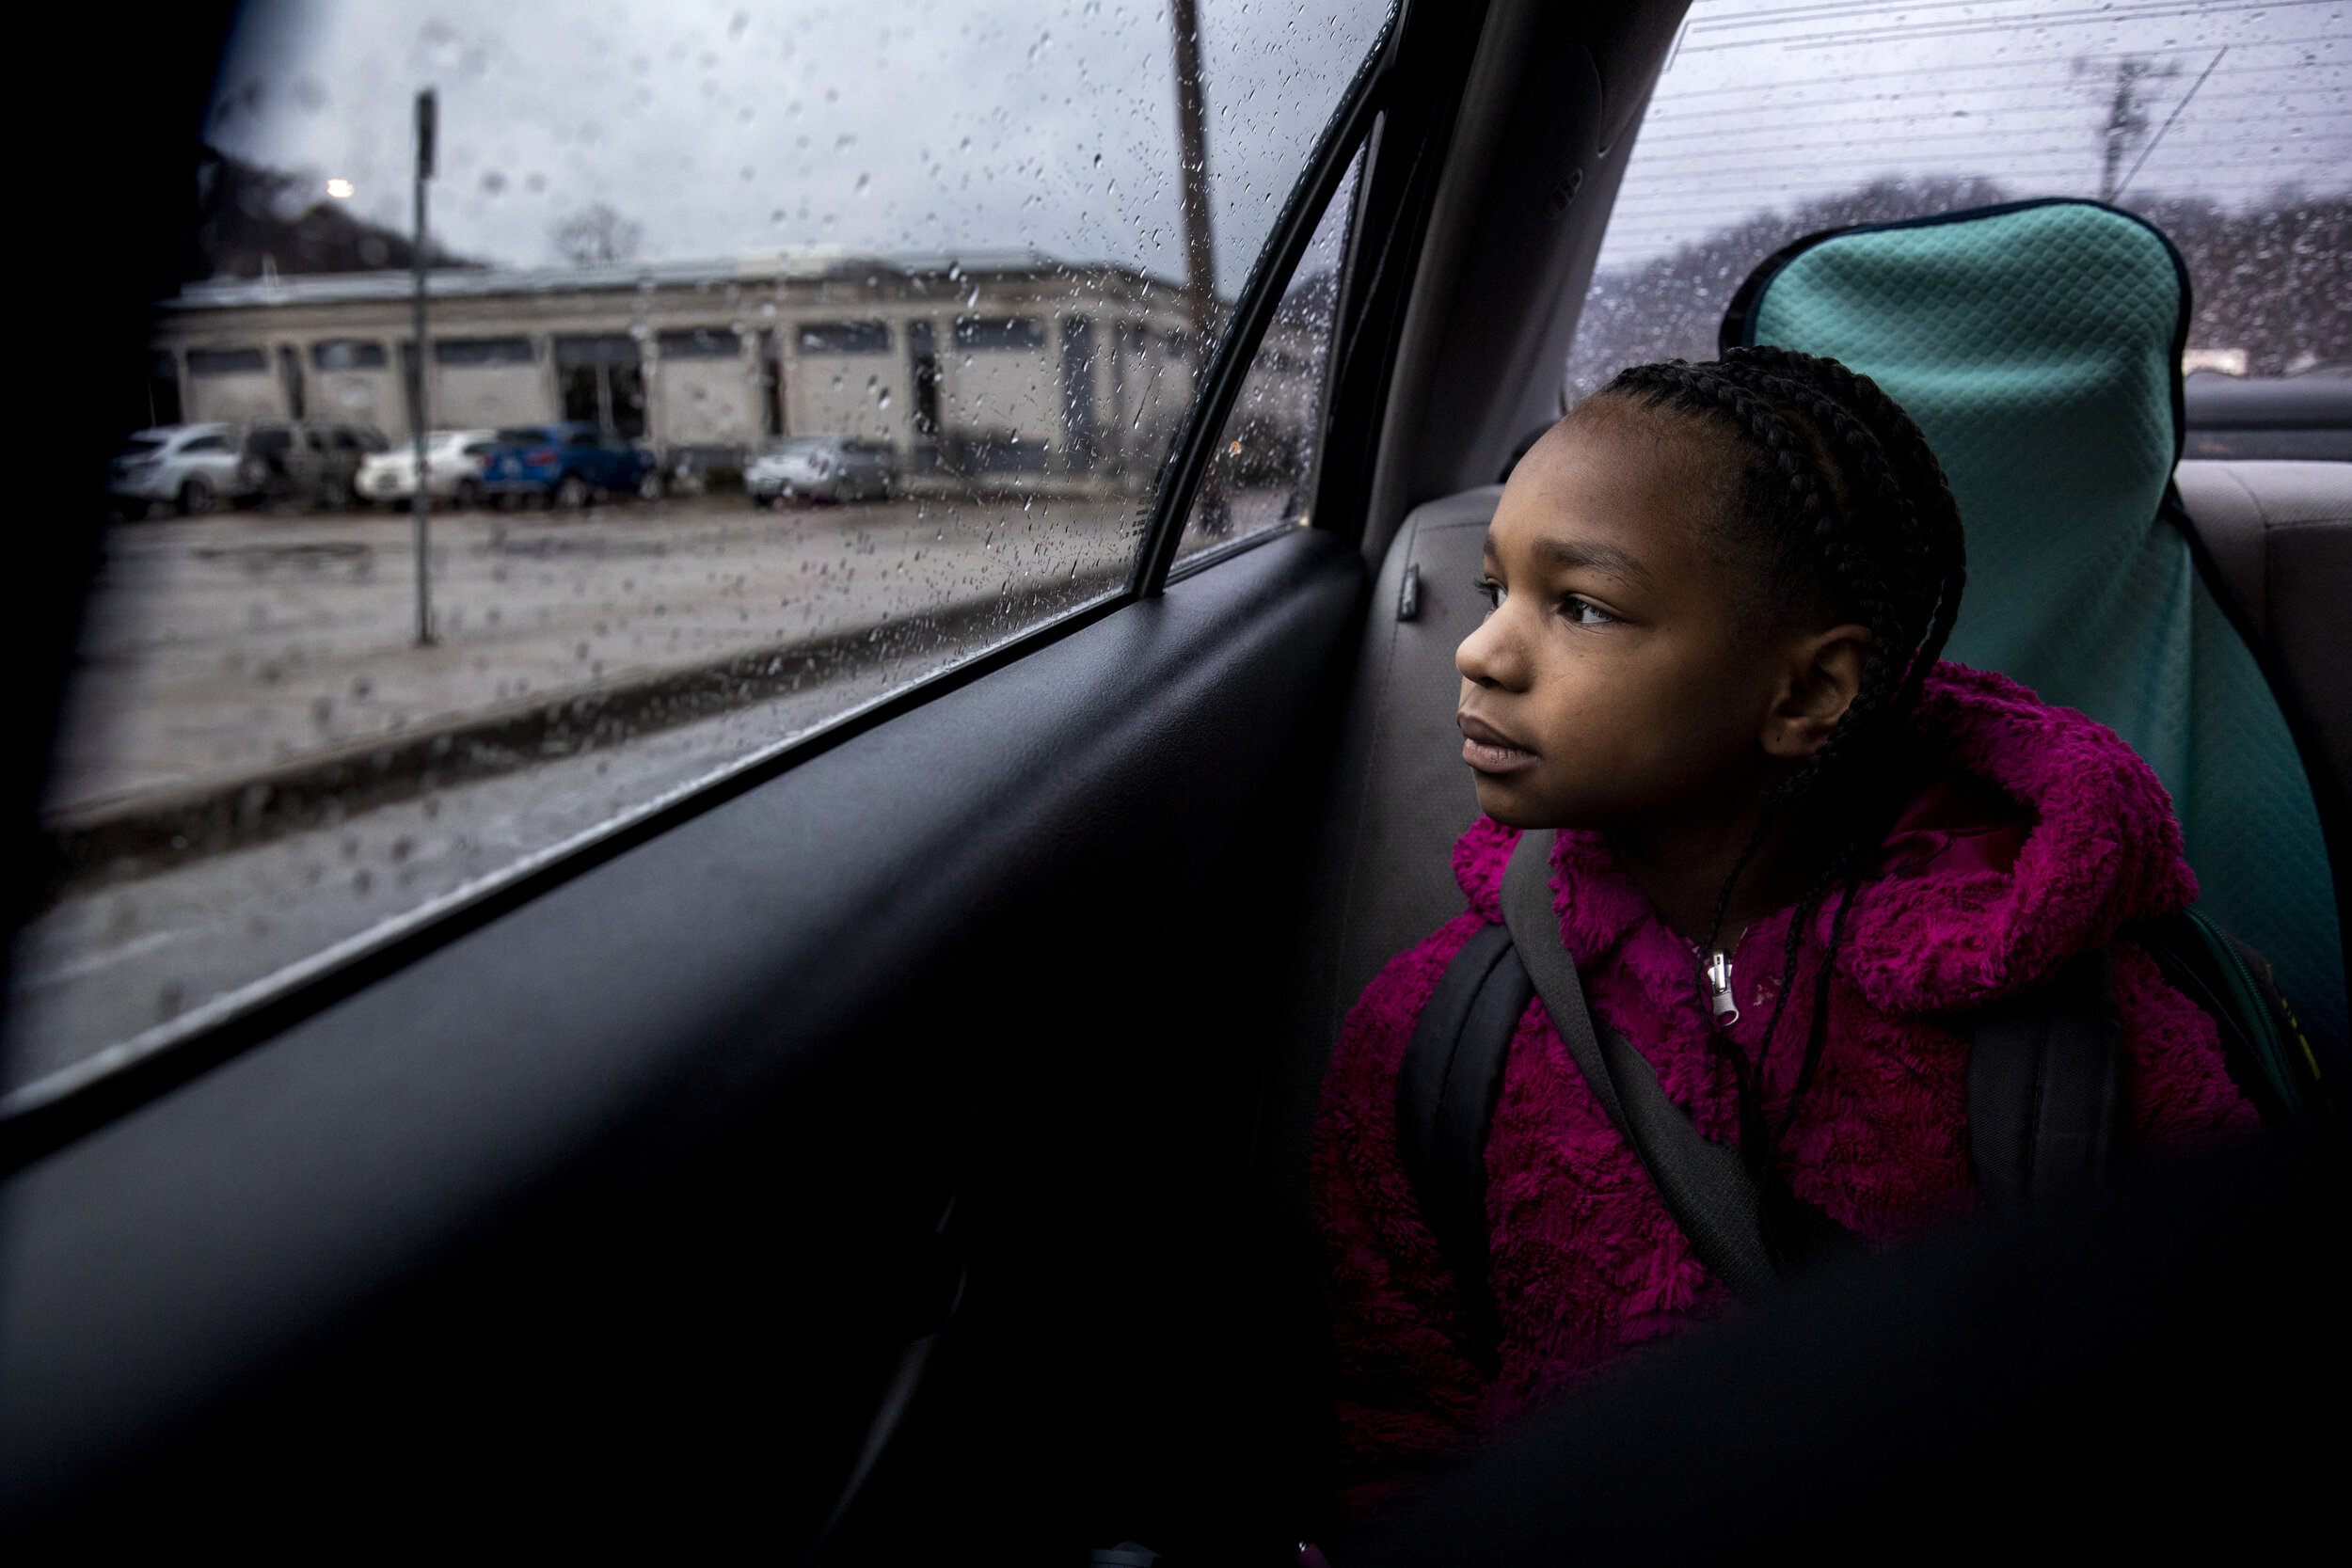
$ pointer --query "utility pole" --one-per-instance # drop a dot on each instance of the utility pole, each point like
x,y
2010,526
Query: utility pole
x,y
1192,145
420,405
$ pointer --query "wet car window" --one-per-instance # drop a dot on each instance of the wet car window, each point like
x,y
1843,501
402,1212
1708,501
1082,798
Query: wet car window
x,y
947,248
2228,125
1263,470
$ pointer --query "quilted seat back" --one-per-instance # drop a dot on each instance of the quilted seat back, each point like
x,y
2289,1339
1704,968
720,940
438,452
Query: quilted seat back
x,y
2039,346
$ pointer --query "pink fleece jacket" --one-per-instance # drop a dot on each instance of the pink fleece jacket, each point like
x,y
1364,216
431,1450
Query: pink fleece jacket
x,y
1980,893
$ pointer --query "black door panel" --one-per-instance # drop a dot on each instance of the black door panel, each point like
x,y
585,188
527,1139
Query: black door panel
x,y
612,1213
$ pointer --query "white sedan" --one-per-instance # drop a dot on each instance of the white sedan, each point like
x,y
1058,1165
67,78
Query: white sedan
x,y
453,465
194,467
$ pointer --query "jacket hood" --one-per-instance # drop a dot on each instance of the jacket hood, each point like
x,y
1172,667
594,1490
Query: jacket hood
x,y
2044,836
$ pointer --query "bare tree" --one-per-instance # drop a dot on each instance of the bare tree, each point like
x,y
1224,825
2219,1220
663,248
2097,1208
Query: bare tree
x,y
596,236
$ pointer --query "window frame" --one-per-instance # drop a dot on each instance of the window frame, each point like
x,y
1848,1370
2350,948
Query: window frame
x,y
49,1111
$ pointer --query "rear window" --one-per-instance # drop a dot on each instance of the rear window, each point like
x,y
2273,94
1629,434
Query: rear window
x,y
2222,123
138,448
527,436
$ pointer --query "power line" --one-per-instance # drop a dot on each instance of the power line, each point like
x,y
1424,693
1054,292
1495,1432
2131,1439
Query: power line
x,y
2045,20
1669,167
1940,128
1947,148
2154,8
2021,62
2265,95
2167,122
1807,43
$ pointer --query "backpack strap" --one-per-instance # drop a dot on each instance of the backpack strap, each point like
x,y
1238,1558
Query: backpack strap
x,y
1445,1104
2043,1093
1704,1185
2269,1057
2044,1082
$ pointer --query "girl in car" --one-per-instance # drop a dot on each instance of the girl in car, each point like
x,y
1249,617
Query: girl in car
x,y
1794,849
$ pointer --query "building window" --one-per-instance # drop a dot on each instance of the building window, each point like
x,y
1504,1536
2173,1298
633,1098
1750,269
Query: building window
x,y
702,343
1006,332
227,361
482,351
844,337
347,354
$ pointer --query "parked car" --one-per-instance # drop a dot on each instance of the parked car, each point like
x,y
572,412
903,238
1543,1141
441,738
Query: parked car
x,y
454,464
295,463
194,467
823,467
569,464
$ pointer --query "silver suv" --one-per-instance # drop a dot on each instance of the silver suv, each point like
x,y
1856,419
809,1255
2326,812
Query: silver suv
x,y
289,464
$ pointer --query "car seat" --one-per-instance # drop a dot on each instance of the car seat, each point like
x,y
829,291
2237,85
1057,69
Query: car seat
x,y
2038,347
2037,344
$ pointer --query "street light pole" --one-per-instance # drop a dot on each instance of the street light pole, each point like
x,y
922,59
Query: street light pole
x,y
420,404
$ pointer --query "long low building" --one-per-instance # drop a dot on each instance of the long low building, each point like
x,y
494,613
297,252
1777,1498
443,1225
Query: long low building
x,y
1005,366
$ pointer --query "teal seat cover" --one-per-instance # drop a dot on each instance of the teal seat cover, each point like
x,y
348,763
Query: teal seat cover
x,y
2038,347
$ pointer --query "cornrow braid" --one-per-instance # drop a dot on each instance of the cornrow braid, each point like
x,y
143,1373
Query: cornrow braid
x,y
1843,491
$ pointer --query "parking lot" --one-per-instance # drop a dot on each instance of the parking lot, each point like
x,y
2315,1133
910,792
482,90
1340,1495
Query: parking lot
x,y
244,653
225,646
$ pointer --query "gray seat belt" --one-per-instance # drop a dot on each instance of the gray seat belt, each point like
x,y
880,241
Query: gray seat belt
x,y
1704,1184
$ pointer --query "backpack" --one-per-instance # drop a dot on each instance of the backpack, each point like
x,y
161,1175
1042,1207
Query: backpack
x,y
2044,1081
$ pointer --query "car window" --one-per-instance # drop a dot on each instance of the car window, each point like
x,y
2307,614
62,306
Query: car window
x,y
2221,122
207,443
142,447
956,236
1263,472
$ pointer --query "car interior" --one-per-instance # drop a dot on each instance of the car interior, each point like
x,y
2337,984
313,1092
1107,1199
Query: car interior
x,y
898,1150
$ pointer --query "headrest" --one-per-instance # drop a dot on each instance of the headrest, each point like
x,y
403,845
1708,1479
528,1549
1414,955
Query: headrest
x,y
2037,344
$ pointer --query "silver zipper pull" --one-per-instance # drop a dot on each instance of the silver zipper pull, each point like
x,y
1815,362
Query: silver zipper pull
x,y
1719,990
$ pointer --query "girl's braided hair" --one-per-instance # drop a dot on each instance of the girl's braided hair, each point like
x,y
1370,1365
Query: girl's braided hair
x,y
1838,490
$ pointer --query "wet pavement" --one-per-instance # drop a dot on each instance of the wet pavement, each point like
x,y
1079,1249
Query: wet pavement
x,y
228,649
223,646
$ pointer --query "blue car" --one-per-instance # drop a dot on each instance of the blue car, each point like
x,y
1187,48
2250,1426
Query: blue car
x,y
569,464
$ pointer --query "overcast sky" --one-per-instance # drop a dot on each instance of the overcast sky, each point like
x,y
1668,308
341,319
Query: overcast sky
x,y
723,127
726,126
1766,103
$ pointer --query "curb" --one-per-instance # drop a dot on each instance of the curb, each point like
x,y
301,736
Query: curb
x,y
133,839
